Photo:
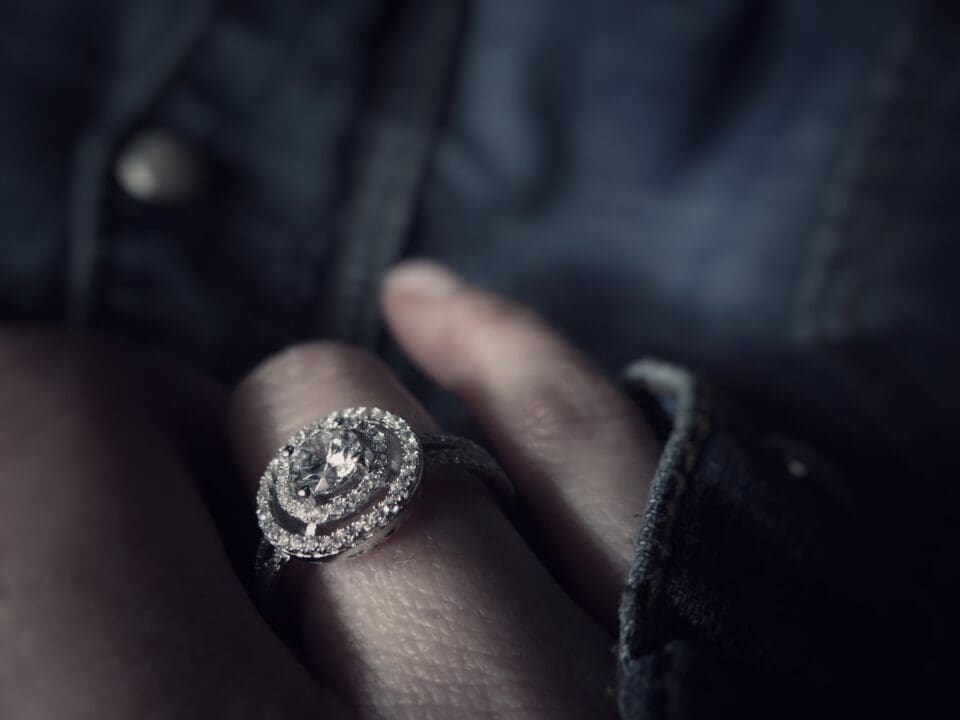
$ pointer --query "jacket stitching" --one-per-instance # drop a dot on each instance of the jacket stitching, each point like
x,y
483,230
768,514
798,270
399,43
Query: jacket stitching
x,y
692,428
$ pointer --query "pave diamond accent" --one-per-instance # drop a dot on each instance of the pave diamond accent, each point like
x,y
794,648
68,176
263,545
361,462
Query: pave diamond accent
x,y
340,484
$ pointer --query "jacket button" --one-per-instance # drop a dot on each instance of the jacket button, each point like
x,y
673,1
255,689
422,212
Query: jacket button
x,y
156,166
797,468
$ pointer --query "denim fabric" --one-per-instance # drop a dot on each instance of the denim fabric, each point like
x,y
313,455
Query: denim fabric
x,y
762,191
755,591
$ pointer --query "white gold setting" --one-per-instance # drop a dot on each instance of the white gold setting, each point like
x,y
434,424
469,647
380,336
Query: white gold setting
x,y
343,484
339,483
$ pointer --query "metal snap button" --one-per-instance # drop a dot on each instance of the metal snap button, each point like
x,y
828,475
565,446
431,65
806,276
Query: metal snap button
x,y
157,166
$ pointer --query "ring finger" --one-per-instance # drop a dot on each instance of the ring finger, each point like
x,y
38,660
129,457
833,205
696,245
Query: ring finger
x,y
454,615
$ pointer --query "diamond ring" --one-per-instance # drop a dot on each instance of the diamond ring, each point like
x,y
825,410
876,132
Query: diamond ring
x,y
343,484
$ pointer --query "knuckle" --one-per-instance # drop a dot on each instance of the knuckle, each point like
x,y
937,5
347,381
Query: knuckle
x,y
307,380
79,382
39,360
24,351
315,361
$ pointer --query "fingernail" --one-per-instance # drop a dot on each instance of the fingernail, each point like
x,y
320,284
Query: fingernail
x,y
423,280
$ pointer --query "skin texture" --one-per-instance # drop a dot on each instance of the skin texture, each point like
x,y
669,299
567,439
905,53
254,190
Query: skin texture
x,y
117,598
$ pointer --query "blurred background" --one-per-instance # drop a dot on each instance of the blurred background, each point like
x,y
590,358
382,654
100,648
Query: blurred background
x,y
764,191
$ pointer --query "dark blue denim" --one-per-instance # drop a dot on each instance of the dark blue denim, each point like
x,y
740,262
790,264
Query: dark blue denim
x,y
761,192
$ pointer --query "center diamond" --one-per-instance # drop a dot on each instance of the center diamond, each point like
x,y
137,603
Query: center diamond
x,y
326,460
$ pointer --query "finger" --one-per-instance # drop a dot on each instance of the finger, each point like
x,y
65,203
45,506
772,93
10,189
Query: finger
x,y
453,616
580,453
116,600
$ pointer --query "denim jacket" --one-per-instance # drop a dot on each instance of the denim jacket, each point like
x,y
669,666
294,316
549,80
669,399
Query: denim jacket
x,y
760,192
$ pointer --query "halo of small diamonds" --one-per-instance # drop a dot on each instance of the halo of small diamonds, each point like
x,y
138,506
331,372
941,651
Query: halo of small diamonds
x,y
340,484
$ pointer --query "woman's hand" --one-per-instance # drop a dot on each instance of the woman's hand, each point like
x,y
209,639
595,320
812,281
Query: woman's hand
x,y
127,604
116,596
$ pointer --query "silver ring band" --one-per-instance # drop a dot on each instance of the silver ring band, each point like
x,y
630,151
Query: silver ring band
x,y
342,485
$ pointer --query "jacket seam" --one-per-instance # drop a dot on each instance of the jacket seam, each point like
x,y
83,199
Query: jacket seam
x,y
691,429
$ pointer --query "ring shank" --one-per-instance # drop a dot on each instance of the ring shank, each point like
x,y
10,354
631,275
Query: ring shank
x,y
439,450
443,449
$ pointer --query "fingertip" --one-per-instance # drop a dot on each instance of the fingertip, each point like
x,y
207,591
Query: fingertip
x,y
420,281
446,325
414,295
